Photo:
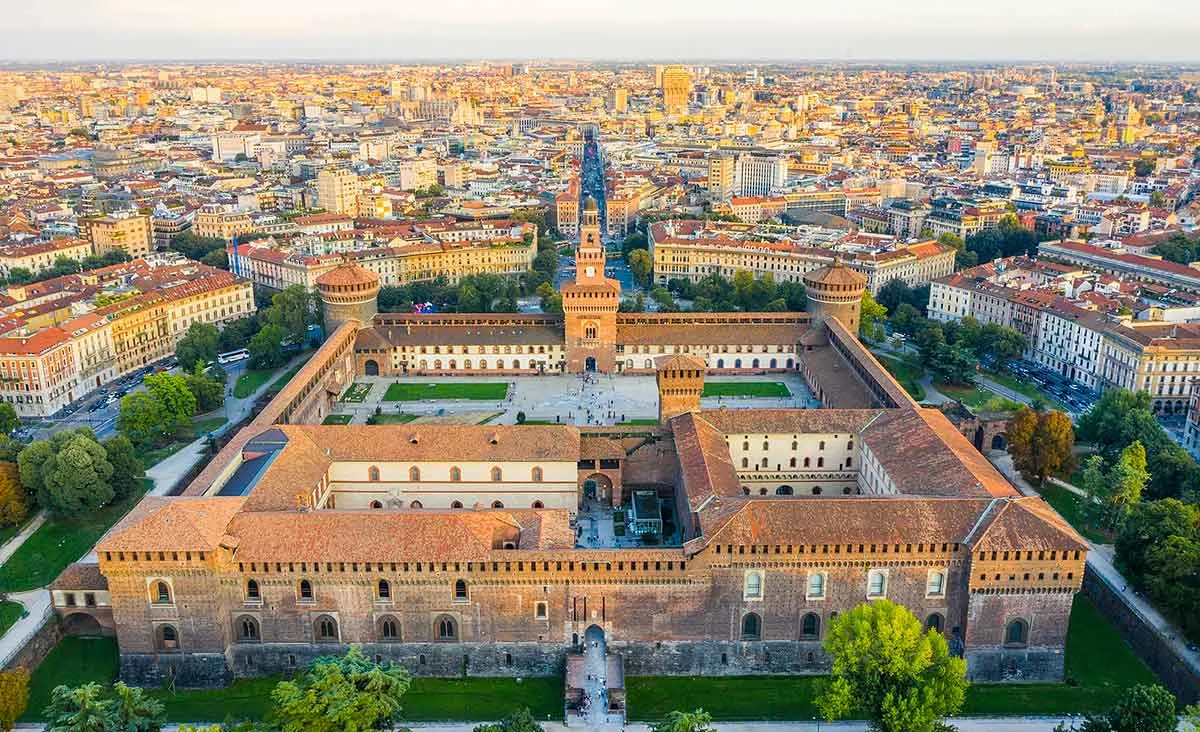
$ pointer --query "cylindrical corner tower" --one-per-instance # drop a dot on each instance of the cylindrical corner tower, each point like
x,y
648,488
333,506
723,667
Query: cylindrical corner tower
x,y
348,292
835,291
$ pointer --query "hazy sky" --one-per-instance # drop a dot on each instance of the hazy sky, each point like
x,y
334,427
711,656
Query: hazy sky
x,y
1092,30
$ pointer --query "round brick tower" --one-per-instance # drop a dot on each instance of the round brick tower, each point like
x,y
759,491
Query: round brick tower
x,y
835,291
348,292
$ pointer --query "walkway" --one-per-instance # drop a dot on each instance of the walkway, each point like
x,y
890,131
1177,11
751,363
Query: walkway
x,y
12,545
167,474
37,609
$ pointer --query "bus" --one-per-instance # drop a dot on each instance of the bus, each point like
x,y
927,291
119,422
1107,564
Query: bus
x,y
240,354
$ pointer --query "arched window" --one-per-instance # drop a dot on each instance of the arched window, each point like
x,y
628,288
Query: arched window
x,y
166,638
456,504
934,622
784,490
538,504
389,629
935,586
326,629
537,475
810,626
455,474
247,629
1016,634
816,585
745,462
876,583
497,474
414,473
820,462
751,627
754,583
416,504
745,445
373,474
497,504
816,491
162,593
792,462
306,590
376,504
252,592
445,629
807,461
460,591
384,590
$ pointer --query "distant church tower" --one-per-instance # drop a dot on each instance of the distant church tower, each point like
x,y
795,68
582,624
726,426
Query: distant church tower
x,y
590,303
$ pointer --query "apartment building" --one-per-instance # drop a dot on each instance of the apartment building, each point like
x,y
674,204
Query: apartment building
x,y
1118,262
38,372
128,231
719,183
337,191
759,175
221,222
38,255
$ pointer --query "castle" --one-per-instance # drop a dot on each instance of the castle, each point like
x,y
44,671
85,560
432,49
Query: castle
x,y
494,550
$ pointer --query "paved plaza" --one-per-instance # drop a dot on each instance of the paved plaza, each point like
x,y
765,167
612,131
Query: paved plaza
x,y
583,400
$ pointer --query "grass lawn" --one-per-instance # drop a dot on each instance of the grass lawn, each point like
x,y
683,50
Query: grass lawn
x,y
489,418
357,393
58,543
412,392
200,427
278,384
250,380
1070,506
1098,664
638,423
540,421
8,532
978,398
338,419
907,373
10,612
746,389
392,418
76,661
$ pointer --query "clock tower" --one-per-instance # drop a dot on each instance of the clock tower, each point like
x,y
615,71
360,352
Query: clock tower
x,y
590,303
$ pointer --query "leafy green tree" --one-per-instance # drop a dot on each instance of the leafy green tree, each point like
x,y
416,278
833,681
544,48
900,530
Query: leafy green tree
x,y
903,679
1148,525
677,721
80,709
199,345
346,694
951,364
8,419
871,316
520,720
266,347
1143,167
640,266
134,711
142,420
1142,708
294,309
218,258
1174,580
1127,478
126,465
666,303
906,319
209,393
237,333
636,240
172,394
69,474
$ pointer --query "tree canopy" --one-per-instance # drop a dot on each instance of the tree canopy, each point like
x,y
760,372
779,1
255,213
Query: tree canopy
x,y
885,666
200,344
520,720
344,694
69,474
677,721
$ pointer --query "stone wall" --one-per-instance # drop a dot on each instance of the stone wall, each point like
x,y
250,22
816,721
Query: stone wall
x,y
1172,671
421,659
39,646
196,670
719,658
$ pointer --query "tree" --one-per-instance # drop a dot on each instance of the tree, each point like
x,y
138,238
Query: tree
x,y
677,721
79,709
1143,167
666,303
519,720
14,696
178,403
200,345
134,711
1127,478
1050,448
126,465
237,333
346,694
1148,525
640,265
69,474
266,347
141,419
636,240
871,316
209,393
14,500
1021,429
294,309
905,680
8,419
1142,708
951,364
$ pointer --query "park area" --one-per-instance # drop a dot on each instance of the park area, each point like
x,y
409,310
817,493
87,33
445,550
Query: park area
x,y
766,389
417,391
357,393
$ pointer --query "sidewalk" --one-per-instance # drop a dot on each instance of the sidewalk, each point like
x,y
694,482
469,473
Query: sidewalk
x,y
37,609
12,545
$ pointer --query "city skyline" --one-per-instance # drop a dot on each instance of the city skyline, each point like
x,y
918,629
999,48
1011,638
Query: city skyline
x,y
765,30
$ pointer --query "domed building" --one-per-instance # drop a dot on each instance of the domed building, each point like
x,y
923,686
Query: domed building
x,y
836,291
348,292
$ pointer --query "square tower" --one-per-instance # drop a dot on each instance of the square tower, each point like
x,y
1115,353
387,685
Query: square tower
x,y
590,303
